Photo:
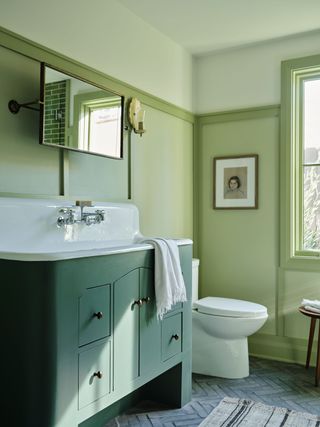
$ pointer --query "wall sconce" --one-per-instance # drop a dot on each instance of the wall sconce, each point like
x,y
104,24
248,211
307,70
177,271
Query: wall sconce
x,y
14,105
136,116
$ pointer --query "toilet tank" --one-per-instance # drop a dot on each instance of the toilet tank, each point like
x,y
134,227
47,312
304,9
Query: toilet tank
x,y
195,280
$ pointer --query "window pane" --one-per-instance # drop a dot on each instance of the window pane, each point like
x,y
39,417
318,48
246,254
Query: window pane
x,y
105,130
311,121
311,208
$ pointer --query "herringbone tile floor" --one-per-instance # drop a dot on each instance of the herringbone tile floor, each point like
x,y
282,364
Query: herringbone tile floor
x,y
273,383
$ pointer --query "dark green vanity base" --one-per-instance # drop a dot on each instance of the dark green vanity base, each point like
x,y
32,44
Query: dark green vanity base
x,y
81,342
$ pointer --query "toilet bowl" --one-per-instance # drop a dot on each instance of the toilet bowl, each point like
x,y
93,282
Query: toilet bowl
x,y
220,328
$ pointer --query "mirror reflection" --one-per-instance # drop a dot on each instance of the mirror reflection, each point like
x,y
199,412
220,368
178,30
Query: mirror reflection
x,y
80,116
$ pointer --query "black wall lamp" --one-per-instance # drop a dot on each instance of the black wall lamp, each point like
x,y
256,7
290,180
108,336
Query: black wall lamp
x,y
14,106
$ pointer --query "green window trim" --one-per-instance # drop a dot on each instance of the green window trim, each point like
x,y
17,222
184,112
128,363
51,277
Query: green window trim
x,y
294,73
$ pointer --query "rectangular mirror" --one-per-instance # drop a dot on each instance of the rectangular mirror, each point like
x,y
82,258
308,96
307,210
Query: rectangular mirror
x,y
80,116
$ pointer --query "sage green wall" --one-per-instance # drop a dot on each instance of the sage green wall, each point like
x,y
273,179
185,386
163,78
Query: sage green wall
x,y
108,37
249,76
156,172
296,285
25,167
30,168
242,78
238,249
162,178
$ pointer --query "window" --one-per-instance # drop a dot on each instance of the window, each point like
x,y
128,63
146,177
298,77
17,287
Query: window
x,y
300,117
100,125
310,141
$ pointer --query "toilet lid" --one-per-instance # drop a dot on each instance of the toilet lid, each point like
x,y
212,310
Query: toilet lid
x,y
229,307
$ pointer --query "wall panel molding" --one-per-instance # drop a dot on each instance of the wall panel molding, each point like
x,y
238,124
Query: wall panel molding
x,y
40,53
286,349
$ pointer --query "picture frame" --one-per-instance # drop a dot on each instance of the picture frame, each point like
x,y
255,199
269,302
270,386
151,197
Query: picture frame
x,y
235,182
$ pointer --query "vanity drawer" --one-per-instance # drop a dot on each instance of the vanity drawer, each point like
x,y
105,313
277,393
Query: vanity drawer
x,y
171,340
94,374
94,314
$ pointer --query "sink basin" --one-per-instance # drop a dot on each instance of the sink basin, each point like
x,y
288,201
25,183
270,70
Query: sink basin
x,y
29,231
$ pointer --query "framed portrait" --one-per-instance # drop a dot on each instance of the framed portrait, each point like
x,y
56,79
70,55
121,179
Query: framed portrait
x,y
235,182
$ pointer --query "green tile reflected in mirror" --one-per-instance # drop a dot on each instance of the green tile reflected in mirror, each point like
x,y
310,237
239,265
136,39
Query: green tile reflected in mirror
x,y
80,116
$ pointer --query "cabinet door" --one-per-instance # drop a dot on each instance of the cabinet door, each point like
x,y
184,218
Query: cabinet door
x,y
150,330
171,336
94,314
94,374
126,329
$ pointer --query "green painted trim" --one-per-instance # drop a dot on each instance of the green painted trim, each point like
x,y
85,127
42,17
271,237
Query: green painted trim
x,y
279,315
241,114
66,196
64,173
293,73
285,142
196,187
302,63
40,53
292,350
129,134
32,196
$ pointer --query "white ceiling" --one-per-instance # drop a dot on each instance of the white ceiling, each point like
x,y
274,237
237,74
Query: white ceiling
x,y
206,26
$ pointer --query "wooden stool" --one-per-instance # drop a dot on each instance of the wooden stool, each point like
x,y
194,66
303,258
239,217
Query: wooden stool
x,y
314,317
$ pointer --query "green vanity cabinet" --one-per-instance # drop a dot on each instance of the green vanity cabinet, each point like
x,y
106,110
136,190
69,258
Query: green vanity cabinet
x,y
80,337
137,351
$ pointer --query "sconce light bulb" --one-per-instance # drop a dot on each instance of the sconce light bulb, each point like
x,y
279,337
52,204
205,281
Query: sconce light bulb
x,y
140,116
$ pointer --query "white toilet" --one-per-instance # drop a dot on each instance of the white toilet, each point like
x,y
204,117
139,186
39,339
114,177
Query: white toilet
x,y
220,327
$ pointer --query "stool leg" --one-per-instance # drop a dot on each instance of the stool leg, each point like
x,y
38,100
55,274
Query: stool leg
x,y
311,333
318,360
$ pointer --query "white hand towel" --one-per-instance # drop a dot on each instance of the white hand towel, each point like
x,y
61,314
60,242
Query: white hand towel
x,y
169,284
310,308
311,303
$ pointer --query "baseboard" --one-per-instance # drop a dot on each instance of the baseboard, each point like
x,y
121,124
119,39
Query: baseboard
x,y
285,349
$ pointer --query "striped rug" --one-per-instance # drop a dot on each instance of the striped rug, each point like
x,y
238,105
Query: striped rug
x,y
232,412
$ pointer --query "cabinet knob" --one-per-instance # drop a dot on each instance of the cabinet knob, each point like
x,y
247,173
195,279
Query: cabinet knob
x,y
139,302
99,315
175,337
98,374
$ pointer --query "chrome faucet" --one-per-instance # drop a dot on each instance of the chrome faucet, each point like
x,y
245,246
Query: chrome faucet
x,y
67,217
88,218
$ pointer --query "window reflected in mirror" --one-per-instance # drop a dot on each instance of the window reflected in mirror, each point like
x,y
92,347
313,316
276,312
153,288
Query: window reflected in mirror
x,y
80,116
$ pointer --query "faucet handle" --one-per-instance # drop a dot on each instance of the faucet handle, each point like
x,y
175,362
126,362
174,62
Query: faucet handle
x,y
67,217
66,210
83,203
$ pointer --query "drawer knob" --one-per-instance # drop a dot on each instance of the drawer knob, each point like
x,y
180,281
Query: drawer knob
x,y
175,337
98,374
98,315
139,302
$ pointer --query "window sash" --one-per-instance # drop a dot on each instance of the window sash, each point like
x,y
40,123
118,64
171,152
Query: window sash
x,y
297,161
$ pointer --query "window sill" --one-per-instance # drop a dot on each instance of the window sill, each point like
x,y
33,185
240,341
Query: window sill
x,y
303,261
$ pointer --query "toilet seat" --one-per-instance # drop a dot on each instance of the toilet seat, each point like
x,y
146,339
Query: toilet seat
x,y
228,307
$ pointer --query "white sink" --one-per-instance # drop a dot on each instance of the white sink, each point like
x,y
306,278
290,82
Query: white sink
x,y
29,231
